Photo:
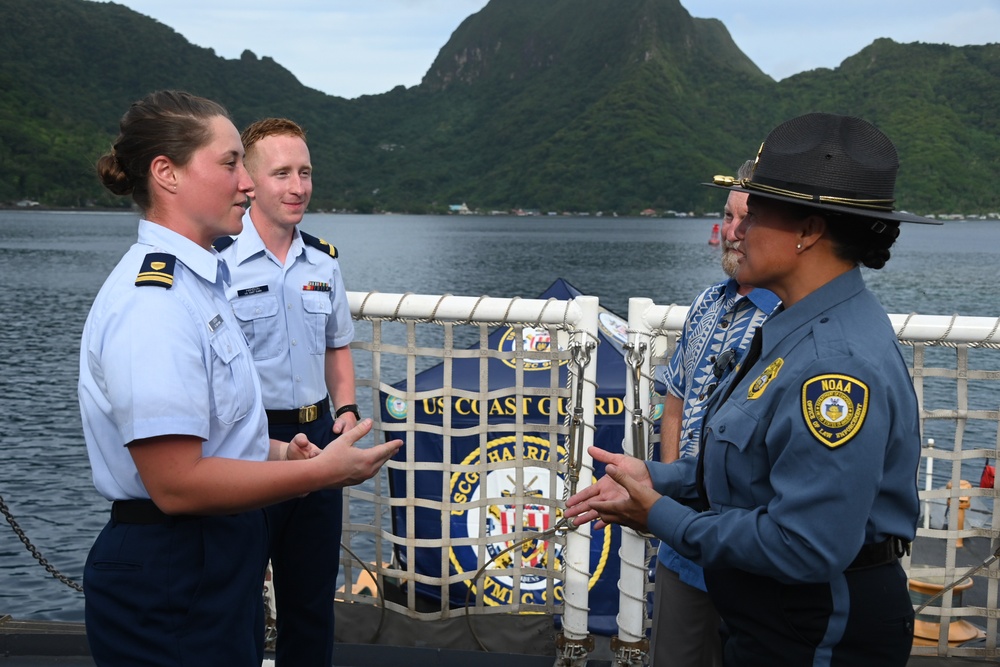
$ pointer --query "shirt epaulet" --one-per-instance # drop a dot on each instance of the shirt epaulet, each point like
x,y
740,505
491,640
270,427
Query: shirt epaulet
x,y
157,269
319,244
223,242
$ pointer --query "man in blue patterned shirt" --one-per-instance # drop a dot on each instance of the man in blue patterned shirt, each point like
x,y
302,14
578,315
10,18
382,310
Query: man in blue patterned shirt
x,y
718,328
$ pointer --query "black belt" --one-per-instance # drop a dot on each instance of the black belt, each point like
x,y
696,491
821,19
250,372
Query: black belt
x,y
303,415
143,512
880,553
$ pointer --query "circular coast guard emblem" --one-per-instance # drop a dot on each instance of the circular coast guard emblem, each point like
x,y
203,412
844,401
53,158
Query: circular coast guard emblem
x,y
533,340
834,407
396,407
503,518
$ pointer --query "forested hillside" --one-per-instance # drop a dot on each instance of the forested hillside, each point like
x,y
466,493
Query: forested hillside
x,y
579,105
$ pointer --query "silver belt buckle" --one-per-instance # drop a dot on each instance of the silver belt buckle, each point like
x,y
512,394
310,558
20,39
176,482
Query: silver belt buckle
x,y
308,413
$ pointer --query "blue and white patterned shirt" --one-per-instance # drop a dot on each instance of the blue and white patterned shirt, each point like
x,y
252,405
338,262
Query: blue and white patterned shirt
x,y
720,319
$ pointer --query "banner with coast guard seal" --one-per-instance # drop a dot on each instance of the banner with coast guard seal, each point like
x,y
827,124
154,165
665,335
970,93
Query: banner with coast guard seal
x,y
521,492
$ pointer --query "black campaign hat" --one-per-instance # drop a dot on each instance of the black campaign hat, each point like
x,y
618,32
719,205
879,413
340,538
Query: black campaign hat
x,y
826,161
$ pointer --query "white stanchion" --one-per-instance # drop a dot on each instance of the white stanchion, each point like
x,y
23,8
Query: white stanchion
x,y
927,484
632,553
576,582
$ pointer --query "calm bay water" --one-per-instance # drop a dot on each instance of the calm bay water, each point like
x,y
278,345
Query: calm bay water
x,y
52,265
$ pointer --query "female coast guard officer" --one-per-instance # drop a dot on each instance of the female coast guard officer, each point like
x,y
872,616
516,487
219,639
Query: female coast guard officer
x,y
172,410
810,448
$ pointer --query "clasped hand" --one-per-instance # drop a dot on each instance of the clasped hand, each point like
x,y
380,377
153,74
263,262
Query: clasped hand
x,y
624,495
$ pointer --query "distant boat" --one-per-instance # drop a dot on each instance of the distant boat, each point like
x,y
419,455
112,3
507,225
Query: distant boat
x,y
714,238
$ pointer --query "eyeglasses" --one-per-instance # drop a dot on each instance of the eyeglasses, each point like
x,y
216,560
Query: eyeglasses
x,y
723,364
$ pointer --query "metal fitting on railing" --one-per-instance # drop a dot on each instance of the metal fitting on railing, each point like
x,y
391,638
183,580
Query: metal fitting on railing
x,y
629,654
573,652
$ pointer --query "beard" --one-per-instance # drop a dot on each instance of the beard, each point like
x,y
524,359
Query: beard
x,y
730,259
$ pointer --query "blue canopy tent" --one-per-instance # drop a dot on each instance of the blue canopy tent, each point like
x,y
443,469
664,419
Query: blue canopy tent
x,y
610,419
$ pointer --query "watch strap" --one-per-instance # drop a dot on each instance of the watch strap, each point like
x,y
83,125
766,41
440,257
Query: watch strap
x,y
350,407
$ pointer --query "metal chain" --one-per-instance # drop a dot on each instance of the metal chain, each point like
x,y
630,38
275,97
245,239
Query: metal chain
x,y
34,551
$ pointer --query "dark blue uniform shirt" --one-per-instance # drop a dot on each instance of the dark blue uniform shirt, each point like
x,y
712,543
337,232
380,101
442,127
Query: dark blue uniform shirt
x,y
813,455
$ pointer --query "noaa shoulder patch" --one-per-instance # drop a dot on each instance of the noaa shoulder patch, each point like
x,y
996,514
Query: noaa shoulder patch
x,y
834,407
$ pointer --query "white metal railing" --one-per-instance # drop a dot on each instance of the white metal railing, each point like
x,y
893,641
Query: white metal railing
x,y
950,356
409,333
954,360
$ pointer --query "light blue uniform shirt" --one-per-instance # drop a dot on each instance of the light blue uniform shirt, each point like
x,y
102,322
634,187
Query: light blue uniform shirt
x,y
719,319
157,361
288,326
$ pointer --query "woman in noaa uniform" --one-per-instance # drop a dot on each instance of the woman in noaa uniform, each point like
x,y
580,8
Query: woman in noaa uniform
x,y
810,447
172,412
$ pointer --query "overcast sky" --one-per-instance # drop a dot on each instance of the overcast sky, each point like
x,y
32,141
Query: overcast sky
x,y
360,47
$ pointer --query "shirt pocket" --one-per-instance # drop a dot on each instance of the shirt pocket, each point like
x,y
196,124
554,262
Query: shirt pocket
x,y
232,376
316,309
259,320
736,469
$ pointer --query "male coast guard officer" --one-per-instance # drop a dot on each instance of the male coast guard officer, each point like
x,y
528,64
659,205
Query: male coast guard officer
x,y
289,298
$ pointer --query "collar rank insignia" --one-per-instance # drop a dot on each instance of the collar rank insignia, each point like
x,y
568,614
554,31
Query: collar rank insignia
x,y
760,384
834,407
157,269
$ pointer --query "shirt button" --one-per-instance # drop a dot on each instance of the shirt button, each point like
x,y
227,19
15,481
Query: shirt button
x,y
724,323
294,342
257,311
289,306
722,429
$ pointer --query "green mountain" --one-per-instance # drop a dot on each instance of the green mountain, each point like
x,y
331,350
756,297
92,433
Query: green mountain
x,y
584,105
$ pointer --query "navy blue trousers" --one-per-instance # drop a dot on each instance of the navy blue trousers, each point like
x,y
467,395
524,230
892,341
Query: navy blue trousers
x,y
863,619
305,559
185,592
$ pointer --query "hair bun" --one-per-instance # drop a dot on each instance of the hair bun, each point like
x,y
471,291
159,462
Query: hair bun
x,y
112,176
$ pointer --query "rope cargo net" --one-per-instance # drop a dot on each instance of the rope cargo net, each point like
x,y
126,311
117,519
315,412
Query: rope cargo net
x,y
508,480
517,555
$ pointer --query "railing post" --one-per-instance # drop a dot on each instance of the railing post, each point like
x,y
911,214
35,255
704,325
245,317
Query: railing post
x,y
575,643
631,645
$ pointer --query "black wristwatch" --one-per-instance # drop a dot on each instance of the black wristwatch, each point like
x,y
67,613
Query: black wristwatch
x,y
350,407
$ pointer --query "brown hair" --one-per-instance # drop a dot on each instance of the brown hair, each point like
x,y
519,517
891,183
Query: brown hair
x,y
171,123
268,127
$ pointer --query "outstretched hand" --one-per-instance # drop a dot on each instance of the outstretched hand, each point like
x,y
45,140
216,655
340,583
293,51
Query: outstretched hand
x,y
347,465
624,495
